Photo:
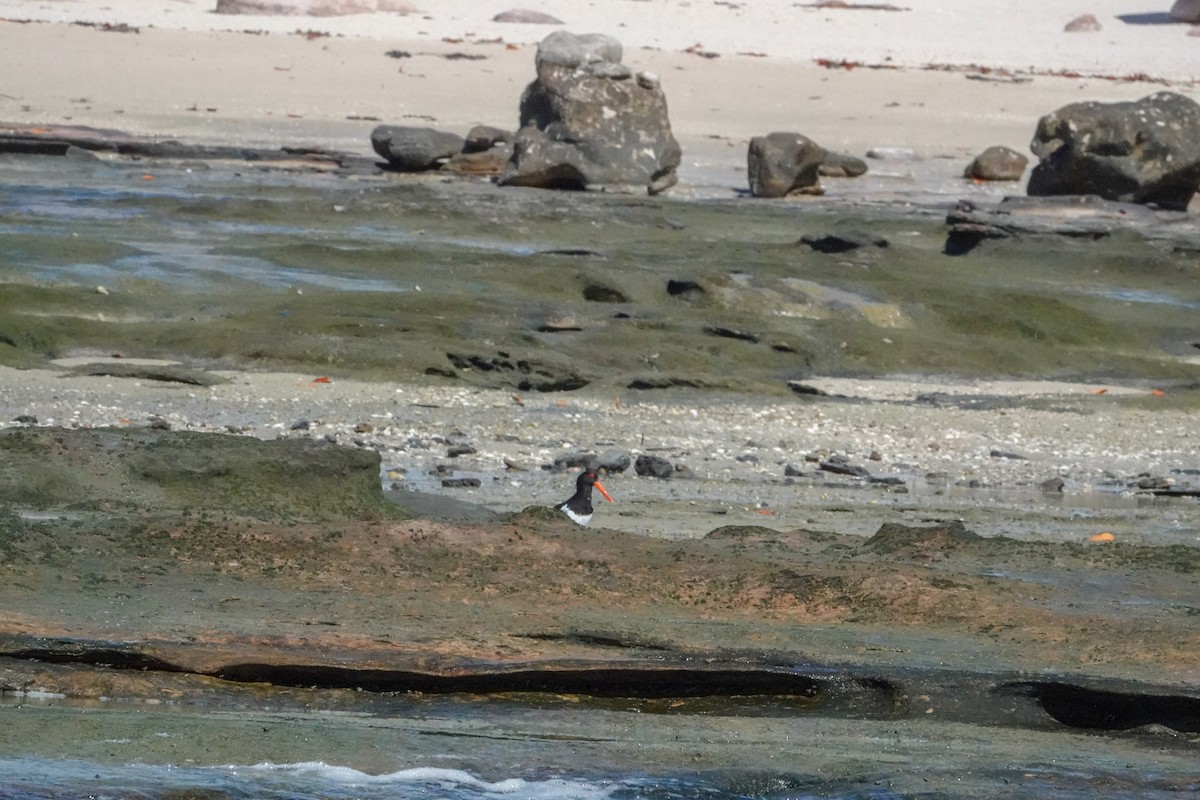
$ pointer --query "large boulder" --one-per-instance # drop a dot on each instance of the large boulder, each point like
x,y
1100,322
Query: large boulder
x,y
780,164
1147,151
589,122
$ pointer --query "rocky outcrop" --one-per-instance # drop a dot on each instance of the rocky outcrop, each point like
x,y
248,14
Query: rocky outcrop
x,y
997,163
1146,151
147,468
504,371
313,8
589,122
414,149
780,164
1081,217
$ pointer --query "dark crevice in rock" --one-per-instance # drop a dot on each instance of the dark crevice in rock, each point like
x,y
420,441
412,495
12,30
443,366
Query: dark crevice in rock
x,y
594,639
833,692
602,682
95,657
1097,709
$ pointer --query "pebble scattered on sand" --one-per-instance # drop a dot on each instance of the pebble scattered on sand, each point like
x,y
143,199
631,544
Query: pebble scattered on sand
x,y
729,453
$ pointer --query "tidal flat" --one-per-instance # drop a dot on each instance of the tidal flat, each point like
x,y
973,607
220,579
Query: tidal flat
x,y
388,277
740,630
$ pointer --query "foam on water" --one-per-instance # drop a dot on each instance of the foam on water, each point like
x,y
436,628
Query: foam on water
x,y
457,783
31,778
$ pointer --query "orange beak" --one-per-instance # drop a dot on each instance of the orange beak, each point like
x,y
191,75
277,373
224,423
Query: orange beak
x,y
601,488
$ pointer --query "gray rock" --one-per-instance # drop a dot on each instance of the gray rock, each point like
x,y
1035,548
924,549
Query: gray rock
x,y
892,154
1054,485
1147,151
502,370
614,461
841,165
799,387
607,69
732,333
484,152
653,466
461,483
527,17
685,289
781,163
571,51
1186,11
1084,23
414,149
484,137
997,163
843,242
599,293
840,465
586,124
610,461
488,162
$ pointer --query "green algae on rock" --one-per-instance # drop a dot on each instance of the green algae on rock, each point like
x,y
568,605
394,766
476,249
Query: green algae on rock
x,y
156,471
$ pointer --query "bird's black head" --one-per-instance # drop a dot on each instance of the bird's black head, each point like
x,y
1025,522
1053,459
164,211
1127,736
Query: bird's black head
x,y
586,480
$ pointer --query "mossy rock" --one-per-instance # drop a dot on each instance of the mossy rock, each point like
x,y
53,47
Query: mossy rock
x,y
152,470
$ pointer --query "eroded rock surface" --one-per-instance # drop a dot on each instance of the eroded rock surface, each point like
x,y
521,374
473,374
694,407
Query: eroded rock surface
x,y
1147,151
52,469
588,121
782,163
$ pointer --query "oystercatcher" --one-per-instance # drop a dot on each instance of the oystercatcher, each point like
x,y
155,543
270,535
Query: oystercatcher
x,y
579,506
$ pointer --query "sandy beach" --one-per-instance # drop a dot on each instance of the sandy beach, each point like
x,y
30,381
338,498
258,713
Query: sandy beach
x,y
943,79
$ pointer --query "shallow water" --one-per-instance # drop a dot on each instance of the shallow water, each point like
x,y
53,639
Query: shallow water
x,y
377,275
468,749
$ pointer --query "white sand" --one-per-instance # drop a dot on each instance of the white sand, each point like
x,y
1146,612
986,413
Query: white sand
x,y
1013,34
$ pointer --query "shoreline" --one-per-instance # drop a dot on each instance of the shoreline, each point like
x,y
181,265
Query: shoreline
x,y
330,91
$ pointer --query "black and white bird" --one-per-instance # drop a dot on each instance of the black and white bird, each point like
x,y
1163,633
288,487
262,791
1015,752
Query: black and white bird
x,y
579,506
